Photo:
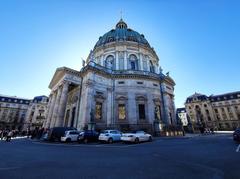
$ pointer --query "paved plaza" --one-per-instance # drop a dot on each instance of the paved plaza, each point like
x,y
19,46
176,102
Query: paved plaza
x,y
214,156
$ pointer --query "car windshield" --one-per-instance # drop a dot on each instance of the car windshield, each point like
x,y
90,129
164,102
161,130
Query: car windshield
x,y
105,132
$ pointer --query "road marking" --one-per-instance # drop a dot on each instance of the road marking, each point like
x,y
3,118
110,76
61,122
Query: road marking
x,y
9,168
238,148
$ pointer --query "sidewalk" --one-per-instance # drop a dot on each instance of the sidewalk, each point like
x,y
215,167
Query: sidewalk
x,y
19,137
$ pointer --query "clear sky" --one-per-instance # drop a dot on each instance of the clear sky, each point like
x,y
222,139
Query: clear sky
x,y
197,41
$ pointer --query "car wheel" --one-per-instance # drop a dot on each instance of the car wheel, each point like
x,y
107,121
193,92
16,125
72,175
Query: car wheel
x,y
85,140
137,140
68,140
110,140
150,139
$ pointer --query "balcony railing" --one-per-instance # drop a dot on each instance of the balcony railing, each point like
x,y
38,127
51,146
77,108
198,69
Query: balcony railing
x,y
123,72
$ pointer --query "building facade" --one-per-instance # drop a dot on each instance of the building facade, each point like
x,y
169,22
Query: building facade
x,y
221,112
20,114
13,112
36,113
121,85
182,116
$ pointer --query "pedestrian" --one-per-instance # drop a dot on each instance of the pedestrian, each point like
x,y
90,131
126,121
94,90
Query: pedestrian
x,y
1,134
9,136
28,132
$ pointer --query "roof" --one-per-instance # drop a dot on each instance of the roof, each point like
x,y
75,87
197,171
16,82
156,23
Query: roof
x,y
121,33
14,99
214,98
196,96
224,97
59,73
38,99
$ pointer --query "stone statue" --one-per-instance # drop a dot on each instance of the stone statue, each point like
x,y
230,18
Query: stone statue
x,y
160,70
157,113
91,116
83,62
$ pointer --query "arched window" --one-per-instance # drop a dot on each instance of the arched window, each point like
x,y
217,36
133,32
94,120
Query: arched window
x,y
133,62
151,67
109,62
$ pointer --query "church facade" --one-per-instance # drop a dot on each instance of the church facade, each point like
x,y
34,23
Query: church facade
x,y
120,86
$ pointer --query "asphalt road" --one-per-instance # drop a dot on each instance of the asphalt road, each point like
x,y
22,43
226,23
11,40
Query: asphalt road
x,y
204,157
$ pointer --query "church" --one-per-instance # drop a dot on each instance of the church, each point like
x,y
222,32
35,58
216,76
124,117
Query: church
x,y
120,86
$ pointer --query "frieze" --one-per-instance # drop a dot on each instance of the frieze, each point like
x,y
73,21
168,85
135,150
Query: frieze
x,y
73,79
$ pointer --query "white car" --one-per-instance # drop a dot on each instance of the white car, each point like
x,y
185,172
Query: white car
x,y
70,136
110,136
138,136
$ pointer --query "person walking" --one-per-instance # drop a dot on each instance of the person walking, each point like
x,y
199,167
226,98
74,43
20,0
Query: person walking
x,y
9,136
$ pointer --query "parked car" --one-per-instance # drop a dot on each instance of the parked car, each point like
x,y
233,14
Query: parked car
x,y
136,137
110,136
55,133
70,136
88,136
236,135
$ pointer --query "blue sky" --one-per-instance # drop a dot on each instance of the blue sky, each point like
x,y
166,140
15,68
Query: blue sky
x,y
197,41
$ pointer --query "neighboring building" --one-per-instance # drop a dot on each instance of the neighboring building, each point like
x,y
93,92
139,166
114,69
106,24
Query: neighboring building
x,y
20,113
13,112
220,112
36,113
182,116
121,86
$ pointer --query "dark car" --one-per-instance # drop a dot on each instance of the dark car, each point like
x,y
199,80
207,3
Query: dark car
x,y
55,133
88,136
236,135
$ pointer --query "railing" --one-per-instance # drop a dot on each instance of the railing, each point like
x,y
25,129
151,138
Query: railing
x,y
123,72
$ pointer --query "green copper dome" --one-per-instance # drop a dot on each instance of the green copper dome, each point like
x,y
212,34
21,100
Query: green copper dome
x,y
121,33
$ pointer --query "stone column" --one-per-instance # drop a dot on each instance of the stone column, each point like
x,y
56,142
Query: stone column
x,y
166,108
117,61
62,105
50,109
148,66
125,60
132,111
150,108
86,104
56,107
141,61
109,107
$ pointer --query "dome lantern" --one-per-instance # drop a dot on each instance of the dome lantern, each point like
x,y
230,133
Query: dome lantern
x,y
121,24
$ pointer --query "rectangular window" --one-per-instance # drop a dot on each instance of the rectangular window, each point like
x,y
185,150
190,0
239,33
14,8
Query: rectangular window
x,y
141,110
98,112
121,112
121,82
139,83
